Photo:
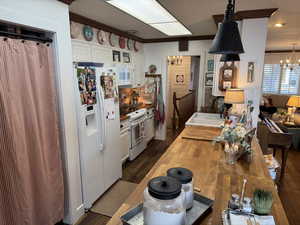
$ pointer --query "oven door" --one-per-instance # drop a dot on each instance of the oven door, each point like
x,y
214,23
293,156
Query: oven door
x,y
137,132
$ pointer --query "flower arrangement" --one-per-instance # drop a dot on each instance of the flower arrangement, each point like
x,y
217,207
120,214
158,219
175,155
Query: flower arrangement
x,y
234,135
236,141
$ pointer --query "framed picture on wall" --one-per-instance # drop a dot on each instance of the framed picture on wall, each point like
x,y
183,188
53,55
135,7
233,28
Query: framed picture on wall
x,y
116,56
210,65
179,79
126,57
209,79
250,75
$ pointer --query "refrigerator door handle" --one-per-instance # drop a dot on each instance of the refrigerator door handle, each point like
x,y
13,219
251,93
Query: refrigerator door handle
x,y
103,119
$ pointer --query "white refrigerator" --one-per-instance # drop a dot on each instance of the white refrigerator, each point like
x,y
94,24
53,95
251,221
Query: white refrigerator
x,y
99,129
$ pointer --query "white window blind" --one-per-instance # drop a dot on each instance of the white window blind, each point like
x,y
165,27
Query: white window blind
x,y
278,80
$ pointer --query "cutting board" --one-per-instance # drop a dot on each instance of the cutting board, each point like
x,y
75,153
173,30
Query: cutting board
x,y
201,133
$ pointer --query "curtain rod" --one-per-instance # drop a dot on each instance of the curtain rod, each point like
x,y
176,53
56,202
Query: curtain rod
x,y
25,36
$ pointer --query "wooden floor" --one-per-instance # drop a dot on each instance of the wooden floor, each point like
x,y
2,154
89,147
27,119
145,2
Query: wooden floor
x,y
136,170
290,188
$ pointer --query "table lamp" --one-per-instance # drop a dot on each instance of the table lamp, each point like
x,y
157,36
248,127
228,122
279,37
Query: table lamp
x,y
294,101
233,97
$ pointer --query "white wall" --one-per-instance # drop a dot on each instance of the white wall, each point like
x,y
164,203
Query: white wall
x,y
53,16
103,54
254,36
157,53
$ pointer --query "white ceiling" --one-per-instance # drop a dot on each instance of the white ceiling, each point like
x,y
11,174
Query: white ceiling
x,y
196,15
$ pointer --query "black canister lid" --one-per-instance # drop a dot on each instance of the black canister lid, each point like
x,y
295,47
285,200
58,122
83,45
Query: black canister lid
x,y
164,188
181,174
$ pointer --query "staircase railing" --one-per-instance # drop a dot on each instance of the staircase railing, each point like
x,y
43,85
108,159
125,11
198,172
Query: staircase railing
x,y
184,107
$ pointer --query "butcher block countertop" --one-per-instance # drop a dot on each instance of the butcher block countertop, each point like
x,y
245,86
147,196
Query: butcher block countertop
x,y
212,175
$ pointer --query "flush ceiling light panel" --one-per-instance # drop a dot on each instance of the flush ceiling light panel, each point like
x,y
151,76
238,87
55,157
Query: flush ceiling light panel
x,y
153,14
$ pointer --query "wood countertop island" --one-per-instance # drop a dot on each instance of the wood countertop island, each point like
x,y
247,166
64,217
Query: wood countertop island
x,y
212,175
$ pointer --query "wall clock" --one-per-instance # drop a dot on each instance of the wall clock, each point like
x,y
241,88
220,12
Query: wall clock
x,y
101,37
122,42
113,40
130,44
227,76
88,33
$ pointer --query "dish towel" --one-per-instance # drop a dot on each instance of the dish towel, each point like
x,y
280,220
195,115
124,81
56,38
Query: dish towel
x,y
160,106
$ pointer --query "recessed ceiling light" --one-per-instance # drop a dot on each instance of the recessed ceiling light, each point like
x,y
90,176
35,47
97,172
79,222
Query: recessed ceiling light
x,y
279,25
153,14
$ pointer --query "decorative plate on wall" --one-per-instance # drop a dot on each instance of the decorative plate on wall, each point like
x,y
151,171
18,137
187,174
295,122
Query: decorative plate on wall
x,y
122,42
75,30
152,69
101,37
136,46
130,44
113,40
88,33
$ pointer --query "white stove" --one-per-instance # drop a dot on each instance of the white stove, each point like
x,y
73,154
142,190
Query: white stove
x,y
137,114
138,137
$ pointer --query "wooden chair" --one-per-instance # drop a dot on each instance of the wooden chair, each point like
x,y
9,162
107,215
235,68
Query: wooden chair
x,y
272,135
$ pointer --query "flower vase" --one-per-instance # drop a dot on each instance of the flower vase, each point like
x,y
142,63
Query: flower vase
x,y
231,151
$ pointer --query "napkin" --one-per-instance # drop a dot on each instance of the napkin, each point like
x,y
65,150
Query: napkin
x,y
242,219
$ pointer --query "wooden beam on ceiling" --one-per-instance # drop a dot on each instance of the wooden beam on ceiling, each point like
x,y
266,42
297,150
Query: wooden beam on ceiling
x,y
68,2
93,23
281,51
184,38
247,14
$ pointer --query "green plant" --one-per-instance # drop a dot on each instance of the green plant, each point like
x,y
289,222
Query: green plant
x,y
262,201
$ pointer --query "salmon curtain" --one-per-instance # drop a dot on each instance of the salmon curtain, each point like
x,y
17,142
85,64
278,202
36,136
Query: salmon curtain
x,y
31,179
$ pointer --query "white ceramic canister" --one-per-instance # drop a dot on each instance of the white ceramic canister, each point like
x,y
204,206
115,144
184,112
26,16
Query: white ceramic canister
x,y
164,202
185,177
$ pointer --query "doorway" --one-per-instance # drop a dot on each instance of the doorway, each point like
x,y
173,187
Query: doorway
x,y
182,85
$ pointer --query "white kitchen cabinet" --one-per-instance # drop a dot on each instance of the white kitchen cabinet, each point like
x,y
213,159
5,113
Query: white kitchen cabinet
x,y
149,125
139,74
81,51
125,140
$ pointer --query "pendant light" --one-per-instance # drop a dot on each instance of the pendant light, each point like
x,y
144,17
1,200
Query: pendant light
x,y
230,58
228,39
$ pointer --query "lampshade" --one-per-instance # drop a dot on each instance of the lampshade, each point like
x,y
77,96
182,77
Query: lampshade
x,y
234,96
294,101
230,58
227,39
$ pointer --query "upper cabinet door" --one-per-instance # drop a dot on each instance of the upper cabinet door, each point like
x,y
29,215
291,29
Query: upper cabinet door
x,y
101,54
139,74
81,51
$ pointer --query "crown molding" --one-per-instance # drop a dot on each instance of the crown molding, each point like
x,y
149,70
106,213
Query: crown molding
x,y
247,14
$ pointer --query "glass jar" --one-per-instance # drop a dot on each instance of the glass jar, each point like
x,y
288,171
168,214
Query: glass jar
x,y
231,151
185,177
164,202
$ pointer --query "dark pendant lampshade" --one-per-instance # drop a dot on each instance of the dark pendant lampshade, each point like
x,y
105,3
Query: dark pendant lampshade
x,y
230,58
227,39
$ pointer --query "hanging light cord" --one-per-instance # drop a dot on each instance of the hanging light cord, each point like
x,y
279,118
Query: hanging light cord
x,y
229,14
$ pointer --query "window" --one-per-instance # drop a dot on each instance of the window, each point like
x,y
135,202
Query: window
x,y
279,80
